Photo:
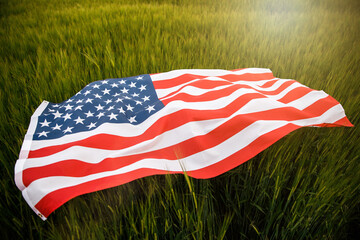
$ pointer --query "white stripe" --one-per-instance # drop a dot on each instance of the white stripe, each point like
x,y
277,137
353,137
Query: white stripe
x,y
255,84
307,99
286,91
195,91
206,72
330,116
41,187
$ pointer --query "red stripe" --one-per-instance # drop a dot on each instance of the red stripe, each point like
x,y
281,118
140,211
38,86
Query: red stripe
x,y
294,94
208,84
187,148
216,94
203,84
56,198
318,107
248,77
343,122
250,151
173,82
271,82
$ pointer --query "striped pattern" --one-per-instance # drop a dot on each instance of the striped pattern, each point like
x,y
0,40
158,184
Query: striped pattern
x,y
213,121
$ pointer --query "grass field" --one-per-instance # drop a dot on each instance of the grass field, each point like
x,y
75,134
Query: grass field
x,y
306,186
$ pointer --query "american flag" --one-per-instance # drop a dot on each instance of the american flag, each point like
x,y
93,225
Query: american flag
x,y
204,122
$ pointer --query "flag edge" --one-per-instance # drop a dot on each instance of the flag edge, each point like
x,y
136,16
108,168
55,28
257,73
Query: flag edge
x,y
25,147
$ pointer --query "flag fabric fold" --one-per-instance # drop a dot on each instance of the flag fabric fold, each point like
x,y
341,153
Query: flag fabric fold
x,y
204,122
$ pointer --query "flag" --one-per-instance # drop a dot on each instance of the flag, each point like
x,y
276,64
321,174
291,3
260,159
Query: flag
x,y
204,122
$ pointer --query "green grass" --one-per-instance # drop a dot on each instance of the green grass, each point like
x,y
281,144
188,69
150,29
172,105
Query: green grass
x,y
306,186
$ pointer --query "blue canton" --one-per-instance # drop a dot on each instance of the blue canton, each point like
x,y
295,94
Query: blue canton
x,y
121,100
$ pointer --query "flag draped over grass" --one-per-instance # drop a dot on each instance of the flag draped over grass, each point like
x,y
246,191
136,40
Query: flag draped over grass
x,y
203,122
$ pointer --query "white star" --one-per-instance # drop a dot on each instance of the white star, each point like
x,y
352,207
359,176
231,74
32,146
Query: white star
x,y
129,107
68,107
135,95
57,114
119,100
122,81
67,116
91,125
79,101
116,94
100,115
112,116
142,88
121,110
139,78
70,100
68,129
114,85
89,100
108,101
79,107
97,95
79,120
138,102
87,92
150,108
57,127
105,91
56,105
43,133
95,86
51,110
99,107
110,108
132,84
124,90
127,97
104,81
132,119
146,98
89,114
45,123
